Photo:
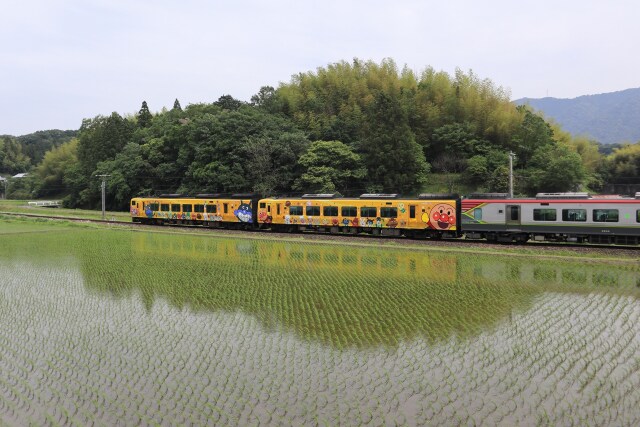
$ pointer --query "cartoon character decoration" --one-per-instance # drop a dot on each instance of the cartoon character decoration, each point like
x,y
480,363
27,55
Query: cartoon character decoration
x,y
346,222
148,212
335,222
379,223
441,217
263,216
243,213
401,207
392,223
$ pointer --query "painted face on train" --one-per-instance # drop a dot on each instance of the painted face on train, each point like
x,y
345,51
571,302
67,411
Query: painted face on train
x,y
442,216
243,213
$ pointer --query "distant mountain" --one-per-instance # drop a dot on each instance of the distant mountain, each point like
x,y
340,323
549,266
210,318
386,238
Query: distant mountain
x,y
608,117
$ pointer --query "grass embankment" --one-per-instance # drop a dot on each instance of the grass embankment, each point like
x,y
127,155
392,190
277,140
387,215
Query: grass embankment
x,y
22,206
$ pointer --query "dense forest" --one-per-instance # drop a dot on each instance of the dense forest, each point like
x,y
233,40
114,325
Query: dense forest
x,y
350,127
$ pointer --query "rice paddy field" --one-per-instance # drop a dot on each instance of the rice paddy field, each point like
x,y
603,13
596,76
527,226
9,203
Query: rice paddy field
x,y
120,327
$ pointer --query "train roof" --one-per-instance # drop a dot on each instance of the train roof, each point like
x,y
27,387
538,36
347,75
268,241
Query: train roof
x,y
554,198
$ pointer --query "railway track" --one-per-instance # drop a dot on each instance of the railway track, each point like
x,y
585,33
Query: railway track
x,y
552,246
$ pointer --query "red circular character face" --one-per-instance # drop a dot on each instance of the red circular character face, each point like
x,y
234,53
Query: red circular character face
x,y
442,216
262,216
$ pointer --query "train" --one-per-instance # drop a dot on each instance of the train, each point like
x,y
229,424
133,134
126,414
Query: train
x,y
493,217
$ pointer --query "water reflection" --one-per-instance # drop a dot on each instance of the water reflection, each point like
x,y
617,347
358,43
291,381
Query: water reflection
x,y
345,295
338,295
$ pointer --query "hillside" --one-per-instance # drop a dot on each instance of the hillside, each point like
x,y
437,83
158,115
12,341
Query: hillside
x,y
608,117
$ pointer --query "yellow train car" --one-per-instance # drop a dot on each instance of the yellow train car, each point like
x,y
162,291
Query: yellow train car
x,y
210,210
378,214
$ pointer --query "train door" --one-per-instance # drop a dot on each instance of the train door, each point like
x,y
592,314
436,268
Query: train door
x,y
512,214
413,216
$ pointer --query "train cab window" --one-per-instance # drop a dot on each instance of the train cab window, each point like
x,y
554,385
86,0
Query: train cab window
x,y
330,211
514,213
187,207
313,210
368,212
164,207
154,206
133,203
388,212
574,215
263,205
605,215
477,214
211,208
350,211
295,210
412,211
175,208
198,208
544,214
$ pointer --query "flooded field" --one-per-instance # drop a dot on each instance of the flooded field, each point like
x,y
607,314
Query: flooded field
x,y
121,327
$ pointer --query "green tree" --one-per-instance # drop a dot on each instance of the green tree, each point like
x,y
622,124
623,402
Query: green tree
x,y
129,176
532,134
54,165
228,102
144,116
329,166
176,105
12,159
394,161
100,139
553,168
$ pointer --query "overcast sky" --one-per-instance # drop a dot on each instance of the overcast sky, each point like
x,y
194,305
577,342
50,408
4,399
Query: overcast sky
x,y
65,60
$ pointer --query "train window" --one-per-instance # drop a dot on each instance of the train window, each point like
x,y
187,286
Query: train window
x,y
350,211
574,215
368,212
154,206
263,205
133,203
164,207
198,208
515,213
187,207
412,211
225,207
278,208
295,210
175,208
211,208
313,210
605,215
330,211
477,214
544,214
638,215
388,212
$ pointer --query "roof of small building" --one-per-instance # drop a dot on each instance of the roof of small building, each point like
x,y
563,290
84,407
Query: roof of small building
x,y
20,175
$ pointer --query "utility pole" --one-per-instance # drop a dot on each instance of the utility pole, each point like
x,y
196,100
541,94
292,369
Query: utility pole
x,y
104,187
512,155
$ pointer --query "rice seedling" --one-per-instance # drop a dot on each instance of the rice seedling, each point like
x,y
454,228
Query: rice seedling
x,y
104,326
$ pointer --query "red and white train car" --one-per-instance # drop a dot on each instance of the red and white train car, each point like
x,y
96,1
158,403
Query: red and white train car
x,y
571,217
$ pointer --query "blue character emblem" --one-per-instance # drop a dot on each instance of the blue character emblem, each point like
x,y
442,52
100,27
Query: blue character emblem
x,y
148,211
243,213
